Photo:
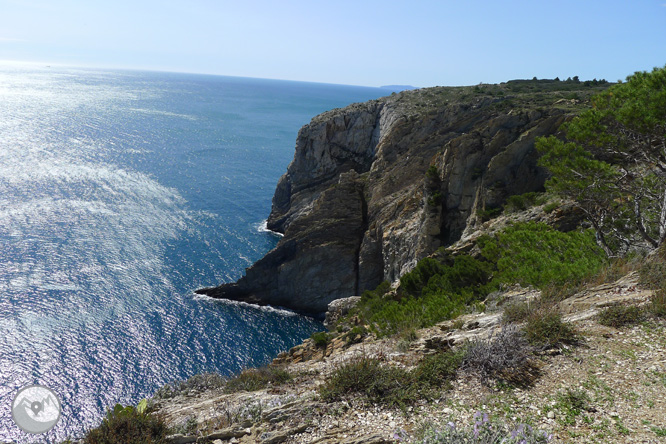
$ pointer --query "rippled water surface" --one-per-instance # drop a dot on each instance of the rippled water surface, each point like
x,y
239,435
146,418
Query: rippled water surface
x,y
121,193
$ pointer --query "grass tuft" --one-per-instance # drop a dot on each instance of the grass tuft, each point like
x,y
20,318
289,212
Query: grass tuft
x,y
253,379
621,315
545,329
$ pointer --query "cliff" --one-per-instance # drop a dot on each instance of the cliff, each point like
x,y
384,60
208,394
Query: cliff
x,y
376,186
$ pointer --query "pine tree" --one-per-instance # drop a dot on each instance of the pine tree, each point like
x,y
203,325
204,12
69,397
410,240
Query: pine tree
x,y
613,163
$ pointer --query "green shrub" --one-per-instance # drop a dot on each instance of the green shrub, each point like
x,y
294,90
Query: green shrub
x,y
253,379
652,274
521,202
388,385
320,339
550,207
432,172
128,425
355,335
486,214
436,371
545,328
435,199
572,403
367,377
535,254
621,315
432,292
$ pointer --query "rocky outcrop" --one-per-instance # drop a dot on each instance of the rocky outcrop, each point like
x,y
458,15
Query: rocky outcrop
x,y
375,187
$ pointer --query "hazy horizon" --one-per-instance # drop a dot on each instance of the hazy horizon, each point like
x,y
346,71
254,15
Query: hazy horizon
x,y
370,43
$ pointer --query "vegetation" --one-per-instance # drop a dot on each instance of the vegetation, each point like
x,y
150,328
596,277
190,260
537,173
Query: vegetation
x,y
388,385
516,312
443,288
518,94
613,163
197,383
522,202
573,403
658,304
545,329
250,379
432,292
369,378
538,255
506,357
621,315
320,339
483,431
253,379
128,425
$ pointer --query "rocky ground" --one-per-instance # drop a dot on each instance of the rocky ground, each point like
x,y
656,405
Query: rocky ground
x,y
617,375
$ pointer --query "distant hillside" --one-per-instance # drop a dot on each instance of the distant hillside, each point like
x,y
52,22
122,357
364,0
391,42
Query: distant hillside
x,y
398,88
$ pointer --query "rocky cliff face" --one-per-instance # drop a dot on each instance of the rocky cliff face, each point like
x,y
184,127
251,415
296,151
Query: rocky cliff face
x,y
376,186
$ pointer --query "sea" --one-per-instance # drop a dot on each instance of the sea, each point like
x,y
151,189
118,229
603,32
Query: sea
x,y
121,192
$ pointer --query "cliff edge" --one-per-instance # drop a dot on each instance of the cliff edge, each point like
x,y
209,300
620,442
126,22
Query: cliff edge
x,y
376,186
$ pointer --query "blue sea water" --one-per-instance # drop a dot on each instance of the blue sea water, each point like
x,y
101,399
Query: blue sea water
x,y
120,193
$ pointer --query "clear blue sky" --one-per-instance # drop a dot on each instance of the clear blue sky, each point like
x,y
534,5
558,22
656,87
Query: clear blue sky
x,y
422,43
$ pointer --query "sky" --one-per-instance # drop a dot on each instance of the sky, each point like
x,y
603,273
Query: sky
x,y
359,42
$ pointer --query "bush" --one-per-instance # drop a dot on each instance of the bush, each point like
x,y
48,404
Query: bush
x,y
128,425
432,172
355,335
436,371
621,315
320,339
253,379
368,377
535,254
516,312
545,328
486,214
521,202
433,291
483,431
392,386
658,304
435,199
506,356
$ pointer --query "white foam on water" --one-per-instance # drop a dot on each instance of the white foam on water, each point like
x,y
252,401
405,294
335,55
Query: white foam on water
x,y
262,227
265,308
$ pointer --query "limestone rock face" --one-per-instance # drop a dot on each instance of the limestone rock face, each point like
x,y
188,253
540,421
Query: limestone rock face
x,y
356,206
